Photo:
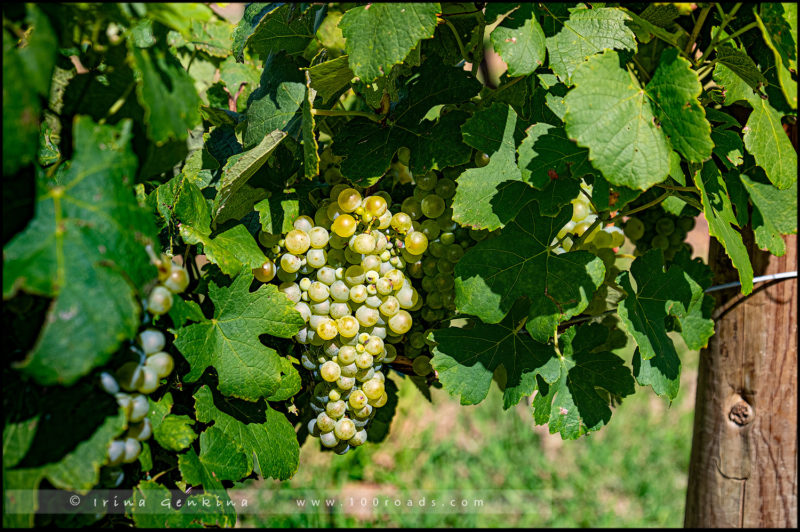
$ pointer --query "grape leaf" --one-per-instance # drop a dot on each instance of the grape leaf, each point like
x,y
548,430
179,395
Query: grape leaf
x,y
674,90
215,462
381,35
491,276
231,250
738,62
696,325
42,441
330,77
240,168
765,138
166,92
488,197
778,24
571,404
277,213
264,435
721,219
585,33
85,247
172,432
276,28
608,198
212,37
728,147
290,382
189,512
546,153
229,341
519,40
774,213
368,147
466,359
275,104
610,114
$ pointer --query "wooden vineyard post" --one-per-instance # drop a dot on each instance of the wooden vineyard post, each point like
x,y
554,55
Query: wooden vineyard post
x,y
743,468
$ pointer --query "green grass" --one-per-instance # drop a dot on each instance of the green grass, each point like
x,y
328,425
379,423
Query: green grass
x,y
631,473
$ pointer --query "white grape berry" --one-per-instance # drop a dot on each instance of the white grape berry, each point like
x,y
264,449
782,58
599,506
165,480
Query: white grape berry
x,y
132,449
108,383
150,381
160,301
116,452
141,431
151,340
130,376
161,363
178,279
139,408
344,429
328,439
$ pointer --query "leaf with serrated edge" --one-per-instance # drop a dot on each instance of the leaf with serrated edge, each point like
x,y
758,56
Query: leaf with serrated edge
x,y
585,33
491,276
466,359
85,246
263,434
774,213
674,90
231,250
610,114
172,432
718,210
381,35
571,404
330,77
229,341
519,40
289,29
546,154
183,512
765,138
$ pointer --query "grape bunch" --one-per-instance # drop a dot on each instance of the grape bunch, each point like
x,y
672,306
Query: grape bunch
x,y
656,228
343,270
134,380
583,218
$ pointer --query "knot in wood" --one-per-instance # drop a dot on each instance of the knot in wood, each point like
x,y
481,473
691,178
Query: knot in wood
x,y
741,413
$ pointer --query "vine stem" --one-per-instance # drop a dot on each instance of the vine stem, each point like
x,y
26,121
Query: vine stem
x,y
656,201
715,40
696,31
457,36
679,189
328,112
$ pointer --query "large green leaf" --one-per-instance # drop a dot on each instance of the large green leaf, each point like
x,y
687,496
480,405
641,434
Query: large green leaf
x,y
718,211
86,248
519,40
774,213
264,435
172,432
573,405
765,138
229,342
609,113
272,28
466,358
330,77
674,90
166,92
381,35
585,33
231,250
547,154
41,440
495,273
778,24
488,197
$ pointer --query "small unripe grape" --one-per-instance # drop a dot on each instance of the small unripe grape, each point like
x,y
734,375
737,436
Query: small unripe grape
x,y
150,381
412,207
132,450
371,276
580,210
141,431
130,376
160,301
445,188
686,223
634,228
327,330
139,408
330,371
108,383
266,272
665,226
432,206
344,225
349,199
286,277
391,353
161,363
178,279
660,241
358,400
481,159
403,155
422,365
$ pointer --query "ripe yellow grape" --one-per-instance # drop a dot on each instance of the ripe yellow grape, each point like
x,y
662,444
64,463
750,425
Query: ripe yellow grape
x,y
303,223
330,371
348,326
401,222
375,205
416,242
344,225
327,330
266,272
349,199
400,323
373,389
363,244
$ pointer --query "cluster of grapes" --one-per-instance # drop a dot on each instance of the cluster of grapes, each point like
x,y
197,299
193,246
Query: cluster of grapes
x,y
343,269
135,379
584,216
656,228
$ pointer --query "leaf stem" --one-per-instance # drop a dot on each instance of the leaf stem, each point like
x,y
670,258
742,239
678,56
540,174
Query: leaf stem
x,y
739,32
681,189
364,114
696,31
715,40
656,201
458,38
